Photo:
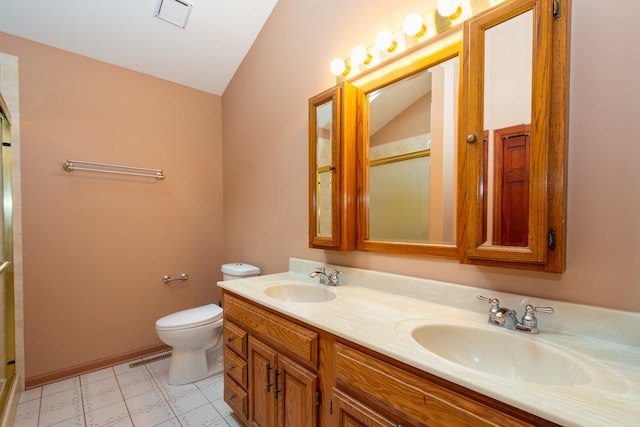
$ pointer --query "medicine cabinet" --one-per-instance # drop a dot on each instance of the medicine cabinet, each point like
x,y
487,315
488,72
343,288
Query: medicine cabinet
x,y
406,170
513,128
454,149
332,133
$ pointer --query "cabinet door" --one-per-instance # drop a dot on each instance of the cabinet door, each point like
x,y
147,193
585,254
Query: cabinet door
x,y
348,412
262,368
295,393
514,76
332,145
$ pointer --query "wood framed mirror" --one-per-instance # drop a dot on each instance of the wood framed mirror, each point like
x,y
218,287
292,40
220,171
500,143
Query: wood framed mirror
x,y
332,133
513,136
406,170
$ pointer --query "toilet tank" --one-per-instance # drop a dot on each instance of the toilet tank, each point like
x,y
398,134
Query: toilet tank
x,y
239,270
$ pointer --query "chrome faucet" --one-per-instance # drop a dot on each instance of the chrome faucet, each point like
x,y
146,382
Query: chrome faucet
x,y
503,317
332,279
506,318
529,321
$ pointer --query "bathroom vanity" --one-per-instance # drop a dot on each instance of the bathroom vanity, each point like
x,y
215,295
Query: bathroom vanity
x,y
373,352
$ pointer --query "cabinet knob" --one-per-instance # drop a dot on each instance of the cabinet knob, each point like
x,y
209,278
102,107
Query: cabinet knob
x,y
472,138
230,368
229,339
232,397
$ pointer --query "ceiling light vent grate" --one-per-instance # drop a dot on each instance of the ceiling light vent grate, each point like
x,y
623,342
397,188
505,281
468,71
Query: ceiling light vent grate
x,y
175,12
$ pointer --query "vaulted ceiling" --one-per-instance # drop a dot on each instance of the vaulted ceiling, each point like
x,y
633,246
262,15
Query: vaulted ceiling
x,y
203,55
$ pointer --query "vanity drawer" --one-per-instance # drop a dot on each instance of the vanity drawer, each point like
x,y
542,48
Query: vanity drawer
x,y
235,338
235,367
295,340
237,399
406,395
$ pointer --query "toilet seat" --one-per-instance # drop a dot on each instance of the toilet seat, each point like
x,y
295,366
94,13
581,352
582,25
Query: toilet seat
x,y
190,318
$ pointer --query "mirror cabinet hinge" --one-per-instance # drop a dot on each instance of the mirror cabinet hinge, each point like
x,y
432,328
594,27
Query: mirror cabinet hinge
x,y
551,239
556,9
318,398
331,407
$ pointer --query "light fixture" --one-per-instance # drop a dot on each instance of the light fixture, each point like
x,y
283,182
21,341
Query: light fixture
x,y
448,8
360,56
175,12
338,67
413,25
385,42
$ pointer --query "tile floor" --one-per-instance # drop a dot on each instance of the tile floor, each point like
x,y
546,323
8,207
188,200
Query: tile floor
x,y
124,396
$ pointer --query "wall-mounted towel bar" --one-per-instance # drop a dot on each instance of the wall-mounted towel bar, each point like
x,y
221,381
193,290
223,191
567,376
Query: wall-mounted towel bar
x,y
70,165
167,278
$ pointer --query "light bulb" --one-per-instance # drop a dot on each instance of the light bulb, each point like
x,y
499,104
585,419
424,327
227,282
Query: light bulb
x,y
359,56
385,41
338,67
413,25
448,8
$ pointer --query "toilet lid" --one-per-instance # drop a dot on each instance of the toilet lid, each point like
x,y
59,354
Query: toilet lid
x,y
190,318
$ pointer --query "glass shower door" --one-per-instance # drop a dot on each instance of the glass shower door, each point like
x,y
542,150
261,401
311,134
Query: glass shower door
x,y
7,319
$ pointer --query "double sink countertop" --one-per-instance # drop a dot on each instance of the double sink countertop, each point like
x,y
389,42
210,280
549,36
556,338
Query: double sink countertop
x,y
582,369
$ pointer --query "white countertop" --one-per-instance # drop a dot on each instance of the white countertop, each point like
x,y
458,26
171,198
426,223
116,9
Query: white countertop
x,y
605,343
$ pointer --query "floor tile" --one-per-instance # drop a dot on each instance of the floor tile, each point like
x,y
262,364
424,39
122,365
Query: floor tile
x,y
71,383
171,423
188,401
99,394
203,416
96,376
149,409
73,422
27,414
233,422
27,395
122,396
61,406
135,382
222,407
107,415
212,387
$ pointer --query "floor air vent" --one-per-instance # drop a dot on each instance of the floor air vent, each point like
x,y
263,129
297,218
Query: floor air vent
x,y
149,360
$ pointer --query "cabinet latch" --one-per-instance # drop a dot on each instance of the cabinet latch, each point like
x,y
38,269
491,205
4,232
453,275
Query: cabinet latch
x,y
551,239
556,9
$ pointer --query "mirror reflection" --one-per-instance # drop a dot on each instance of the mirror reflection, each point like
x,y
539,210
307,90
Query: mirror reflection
x,y
324,169
508,65
412,127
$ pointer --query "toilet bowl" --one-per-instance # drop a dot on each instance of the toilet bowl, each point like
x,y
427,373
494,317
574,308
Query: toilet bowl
x,y
196,335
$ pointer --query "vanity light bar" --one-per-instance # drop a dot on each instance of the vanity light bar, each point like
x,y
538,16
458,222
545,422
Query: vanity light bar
x,y
416,28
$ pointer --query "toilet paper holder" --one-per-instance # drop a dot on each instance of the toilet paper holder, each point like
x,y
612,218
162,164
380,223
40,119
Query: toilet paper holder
x,y
166,278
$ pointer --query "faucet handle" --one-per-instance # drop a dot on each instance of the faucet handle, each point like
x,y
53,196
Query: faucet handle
x,y
529,312
495,303
529,321
335,277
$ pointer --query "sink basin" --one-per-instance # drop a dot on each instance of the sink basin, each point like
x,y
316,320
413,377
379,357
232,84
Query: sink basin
x,y
502,353
300,293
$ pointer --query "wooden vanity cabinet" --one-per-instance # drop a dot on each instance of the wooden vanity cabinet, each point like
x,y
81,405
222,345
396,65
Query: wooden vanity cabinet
x,y
372,390
282,372
282,368
235,370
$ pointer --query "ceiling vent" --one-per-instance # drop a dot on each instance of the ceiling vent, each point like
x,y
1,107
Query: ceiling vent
x,y
175,12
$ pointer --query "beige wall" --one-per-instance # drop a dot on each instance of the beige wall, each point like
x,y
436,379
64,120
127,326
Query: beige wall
x,y
265,150
96,245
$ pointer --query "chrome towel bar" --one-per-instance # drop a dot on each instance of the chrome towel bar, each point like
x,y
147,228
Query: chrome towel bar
x,y
182,277
70,165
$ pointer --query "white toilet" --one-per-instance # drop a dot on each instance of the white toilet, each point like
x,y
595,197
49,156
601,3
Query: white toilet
x,y
195,334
